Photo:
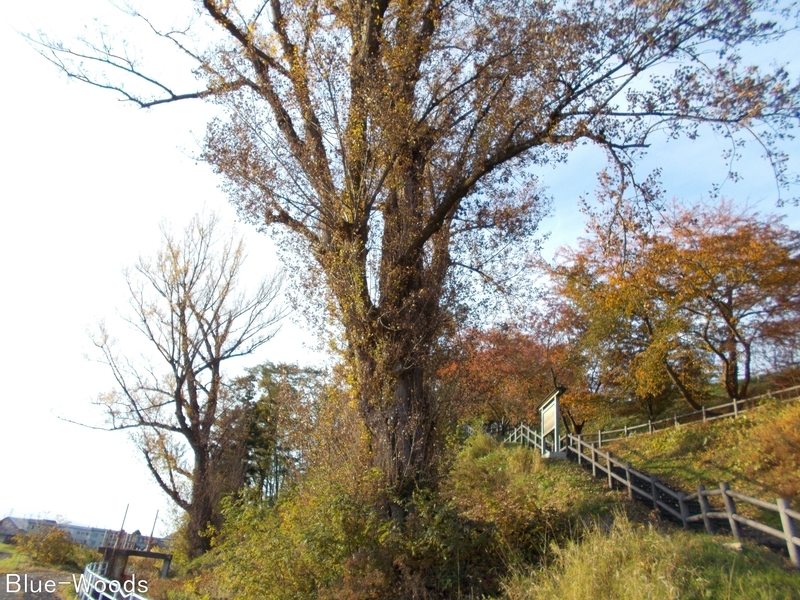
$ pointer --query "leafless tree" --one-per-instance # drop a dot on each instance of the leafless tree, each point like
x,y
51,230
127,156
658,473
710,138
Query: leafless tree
x,y
187,304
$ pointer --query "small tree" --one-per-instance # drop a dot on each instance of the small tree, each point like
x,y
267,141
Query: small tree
x,y
636,335
737,277
664,301
187,305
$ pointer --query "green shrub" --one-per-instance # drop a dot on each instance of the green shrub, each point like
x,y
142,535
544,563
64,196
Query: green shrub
x,y
54,547
296,548
332,537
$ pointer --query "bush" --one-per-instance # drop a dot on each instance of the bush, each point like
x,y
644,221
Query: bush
x,y
54,547
331,538
296,548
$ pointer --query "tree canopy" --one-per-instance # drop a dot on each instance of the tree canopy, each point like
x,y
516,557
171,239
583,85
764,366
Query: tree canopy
x,y
388,144
667,305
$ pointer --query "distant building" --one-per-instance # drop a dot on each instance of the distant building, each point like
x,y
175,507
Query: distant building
x,y
91,537
11,526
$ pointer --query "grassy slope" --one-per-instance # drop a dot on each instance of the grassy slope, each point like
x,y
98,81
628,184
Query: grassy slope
x,y
757,453
631,561
626,555
502,494
498,505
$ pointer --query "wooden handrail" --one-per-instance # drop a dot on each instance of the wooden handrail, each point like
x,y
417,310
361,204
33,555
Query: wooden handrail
x,y
737,405
603,464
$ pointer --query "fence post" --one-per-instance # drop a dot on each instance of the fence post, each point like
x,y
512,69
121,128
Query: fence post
x,y
580,448
735,408
594,461
626,431
654,490
650,425
684,509
608,464
789,531
628,479
705,508
704,412
730,508
600,439
675,418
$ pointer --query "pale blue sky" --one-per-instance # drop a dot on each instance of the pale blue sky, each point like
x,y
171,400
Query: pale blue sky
x,y
85,182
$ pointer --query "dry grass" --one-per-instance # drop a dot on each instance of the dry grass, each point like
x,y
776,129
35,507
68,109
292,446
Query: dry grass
x,y
758,453
631,562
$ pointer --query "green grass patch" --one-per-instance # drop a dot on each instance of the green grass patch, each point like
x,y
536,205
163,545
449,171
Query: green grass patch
x,y
631,561
12,560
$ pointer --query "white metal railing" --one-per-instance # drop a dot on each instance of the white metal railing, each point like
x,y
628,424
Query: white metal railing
x,y
93,585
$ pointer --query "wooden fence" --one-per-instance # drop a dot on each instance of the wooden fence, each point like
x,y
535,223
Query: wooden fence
x,y
687,509
526,436
706,413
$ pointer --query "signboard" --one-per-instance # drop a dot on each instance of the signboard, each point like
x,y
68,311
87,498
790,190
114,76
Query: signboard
x,y
549,418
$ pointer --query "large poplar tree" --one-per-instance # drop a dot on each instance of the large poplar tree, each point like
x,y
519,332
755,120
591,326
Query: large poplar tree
x,y
389,141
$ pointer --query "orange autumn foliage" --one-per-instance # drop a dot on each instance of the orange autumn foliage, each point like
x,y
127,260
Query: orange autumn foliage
x,y
672,303
501,375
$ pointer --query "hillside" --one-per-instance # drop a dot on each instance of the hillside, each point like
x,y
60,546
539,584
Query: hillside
x,y
505,524
758,453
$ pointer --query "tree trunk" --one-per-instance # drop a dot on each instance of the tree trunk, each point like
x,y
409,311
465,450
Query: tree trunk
x,y
390,336
685,392
201,510
401,435
731,373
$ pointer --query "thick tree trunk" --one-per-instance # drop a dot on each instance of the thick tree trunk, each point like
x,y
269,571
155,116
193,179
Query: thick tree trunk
x,y
390,335
201,511
401,435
